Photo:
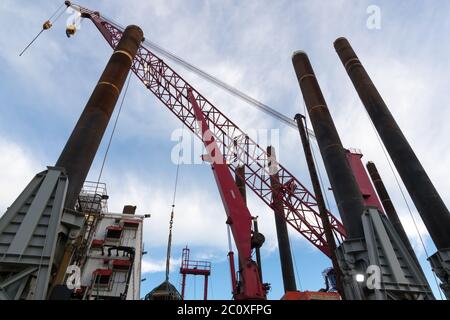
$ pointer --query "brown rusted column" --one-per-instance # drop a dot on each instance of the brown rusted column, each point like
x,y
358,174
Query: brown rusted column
x,y
345,189
82,146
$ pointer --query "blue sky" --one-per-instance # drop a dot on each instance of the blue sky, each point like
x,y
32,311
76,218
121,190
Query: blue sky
x,y
248,44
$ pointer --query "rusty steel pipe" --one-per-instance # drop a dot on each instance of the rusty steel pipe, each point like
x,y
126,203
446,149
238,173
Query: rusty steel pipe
x,y
81,148
79,151
428,202
345,189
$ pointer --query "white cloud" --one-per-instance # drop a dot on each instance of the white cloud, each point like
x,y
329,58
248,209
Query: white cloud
x,y
416,231
153,266
199,218
18,168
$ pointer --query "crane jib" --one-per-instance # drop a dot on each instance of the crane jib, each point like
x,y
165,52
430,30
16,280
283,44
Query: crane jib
x,y
299,204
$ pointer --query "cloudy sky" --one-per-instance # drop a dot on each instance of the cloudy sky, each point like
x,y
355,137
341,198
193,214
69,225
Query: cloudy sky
x,y
247,44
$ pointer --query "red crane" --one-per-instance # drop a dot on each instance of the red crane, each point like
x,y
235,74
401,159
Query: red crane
x,y
236,148
238,216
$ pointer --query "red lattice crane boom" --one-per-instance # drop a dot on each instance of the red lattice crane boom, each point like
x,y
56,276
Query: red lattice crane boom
x,y
238,216
300,206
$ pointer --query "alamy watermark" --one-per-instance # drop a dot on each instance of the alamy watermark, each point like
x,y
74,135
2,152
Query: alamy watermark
x,y
190,150
371,278
73,281
373,21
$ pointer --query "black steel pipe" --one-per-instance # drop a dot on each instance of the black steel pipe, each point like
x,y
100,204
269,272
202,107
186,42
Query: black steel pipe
x,y
428,202
258,248
345,189
389,208
284,246
320,202
81,148
240,183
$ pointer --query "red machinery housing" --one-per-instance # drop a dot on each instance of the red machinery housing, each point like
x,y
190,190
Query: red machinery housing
x,y
368,192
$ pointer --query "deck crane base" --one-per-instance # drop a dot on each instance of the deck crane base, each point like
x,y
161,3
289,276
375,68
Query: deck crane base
x,y
440,263
379,266
29,233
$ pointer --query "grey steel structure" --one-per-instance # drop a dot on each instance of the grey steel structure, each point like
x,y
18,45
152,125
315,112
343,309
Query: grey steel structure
x,y
375,263
35,230
389,207
29,231
427,200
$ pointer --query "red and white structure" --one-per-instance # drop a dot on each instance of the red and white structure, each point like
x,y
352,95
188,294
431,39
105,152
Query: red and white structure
x,y
196,268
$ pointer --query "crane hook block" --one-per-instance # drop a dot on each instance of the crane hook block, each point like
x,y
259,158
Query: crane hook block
x,y
47,25
70,30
